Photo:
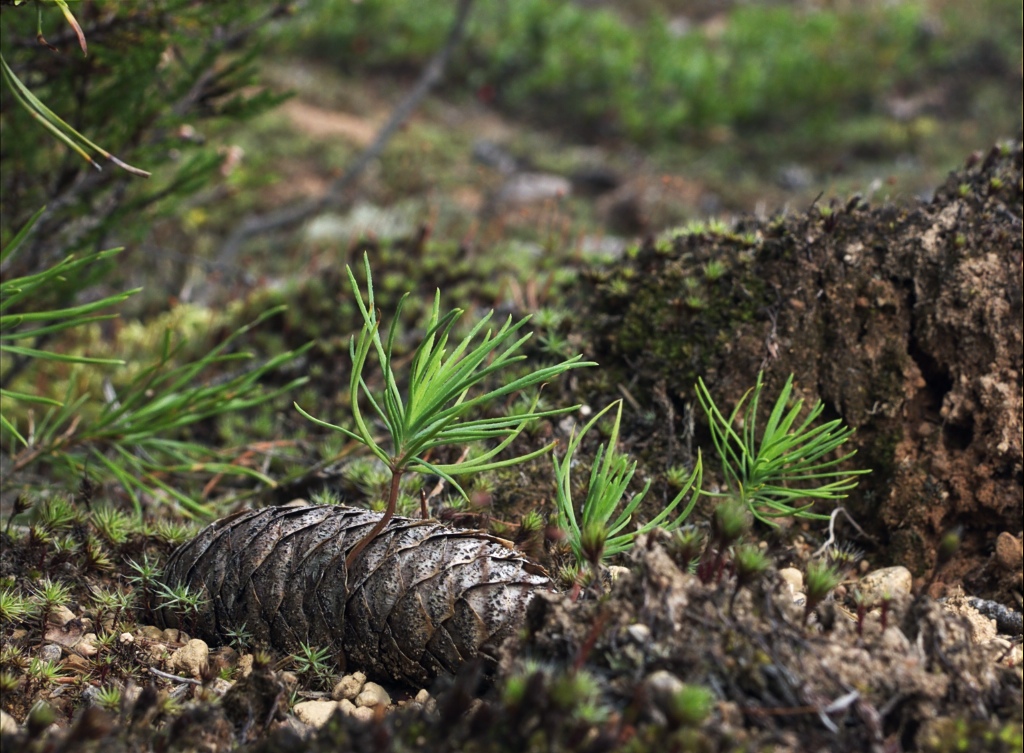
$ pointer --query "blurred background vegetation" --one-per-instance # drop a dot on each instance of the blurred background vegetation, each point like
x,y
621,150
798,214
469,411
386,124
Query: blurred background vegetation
x,y
560,131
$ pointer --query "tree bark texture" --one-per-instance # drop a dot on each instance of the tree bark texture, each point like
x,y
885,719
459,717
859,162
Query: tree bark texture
x,y
419,601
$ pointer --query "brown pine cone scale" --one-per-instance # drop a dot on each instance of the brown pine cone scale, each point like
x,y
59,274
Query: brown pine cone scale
x,y
420,599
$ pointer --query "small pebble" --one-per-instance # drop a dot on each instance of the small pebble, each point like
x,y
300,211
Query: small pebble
x,y
617,571
149,632
315,713
60,616
8,724
1009,552
888,582
77,663
50,652
371,695
363,713
663,685
191,658
87,646
173,635
793,578
639,633
348,687
220,686
347,707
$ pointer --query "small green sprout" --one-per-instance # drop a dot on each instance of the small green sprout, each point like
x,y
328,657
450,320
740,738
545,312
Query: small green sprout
x,y
95,556
109,698
146,578
172,533
14,607
111,601
730,520
600,533
52,594
677,476
820,578
8,682
714,270
761,470
688,546
44,671
56,514
182,598
691,705
313,663
113,525
238,637
436,406
748,563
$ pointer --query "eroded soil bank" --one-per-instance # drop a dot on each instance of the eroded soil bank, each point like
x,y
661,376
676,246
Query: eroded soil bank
x,y
905,322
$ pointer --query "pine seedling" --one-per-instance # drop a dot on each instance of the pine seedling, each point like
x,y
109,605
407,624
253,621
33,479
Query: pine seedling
x,y
95,555
171,532
436,406
820,578
42,672
56,515
774,471
111,601
113,525
13,656
600,530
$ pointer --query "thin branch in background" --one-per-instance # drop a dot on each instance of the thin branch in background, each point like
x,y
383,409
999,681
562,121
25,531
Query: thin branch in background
x,y
292,215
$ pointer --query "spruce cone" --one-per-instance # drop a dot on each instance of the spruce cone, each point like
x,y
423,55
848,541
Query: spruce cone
x,y
420,600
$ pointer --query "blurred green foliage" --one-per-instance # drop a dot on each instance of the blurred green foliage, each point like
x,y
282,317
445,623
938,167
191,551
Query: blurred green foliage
x,y
654,81
156,71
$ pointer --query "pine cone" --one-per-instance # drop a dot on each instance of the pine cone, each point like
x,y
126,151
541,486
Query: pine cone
x,y
420,599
